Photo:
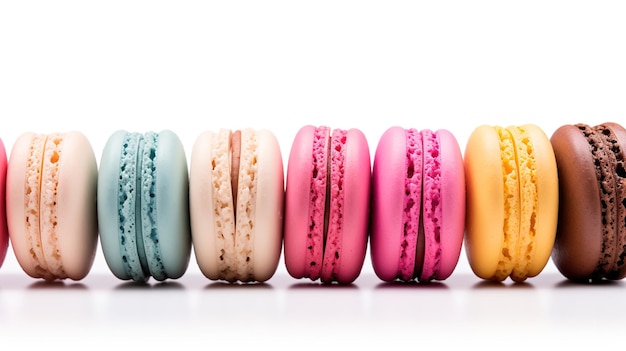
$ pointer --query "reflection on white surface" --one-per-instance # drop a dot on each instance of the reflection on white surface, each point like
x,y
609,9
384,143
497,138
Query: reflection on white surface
x,y
462,310
105,310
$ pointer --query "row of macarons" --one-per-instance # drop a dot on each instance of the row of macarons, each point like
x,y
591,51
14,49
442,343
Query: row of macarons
x,y
515,197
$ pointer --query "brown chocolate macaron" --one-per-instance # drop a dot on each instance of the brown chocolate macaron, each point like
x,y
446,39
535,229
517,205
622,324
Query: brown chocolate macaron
x,y
590,242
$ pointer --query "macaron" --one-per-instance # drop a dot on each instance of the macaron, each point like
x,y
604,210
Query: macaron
x,y
327,204
4,230
590,242
143,206
51,204
418,205
512,201
236,203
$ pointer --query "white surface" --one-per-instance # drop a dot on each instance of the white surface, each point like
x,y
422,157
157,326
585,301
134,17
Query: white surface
x,y
299,315
194,65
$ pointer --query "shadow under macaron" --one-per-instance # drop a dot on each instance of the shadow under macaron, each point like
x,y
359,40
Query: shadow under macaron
x,y
165,285
56,285
430,285
219,285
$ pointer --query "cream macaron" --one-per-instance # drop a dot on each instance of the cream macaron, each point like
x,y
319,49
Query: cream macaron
x,y
236,204
51,204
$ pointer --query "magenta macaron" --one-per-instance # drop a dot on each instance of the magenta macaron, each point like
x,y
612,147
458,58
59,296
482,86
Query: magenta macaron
x,y
418,205
327,204
4,231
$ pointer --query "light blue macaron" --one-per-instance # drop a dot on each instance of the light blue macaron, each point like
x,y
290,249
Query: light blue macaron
x,y
143,206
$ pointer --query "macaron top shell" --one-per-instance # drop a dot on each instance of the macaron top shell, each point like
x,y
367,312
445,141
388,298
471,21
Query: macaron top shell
x,y
327,204
172,203
485,197
394,247
352,225
305,202
51,204
110,180
452,203
143,207
545,214
270,194
303,177
236,196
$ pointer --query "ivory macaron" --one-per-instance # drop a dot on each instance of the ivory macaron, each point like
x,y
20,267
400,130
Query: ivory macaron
x,y
51,204
236,204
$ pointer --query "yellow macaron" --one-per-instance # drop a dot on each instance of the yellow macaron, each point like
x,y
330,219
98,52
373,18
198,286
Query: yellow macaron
x,y
512,201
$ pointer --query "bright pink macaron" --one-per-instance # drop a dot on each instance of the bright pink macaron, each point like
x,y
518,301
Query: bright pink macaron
x,y
418,205
4,231
327,204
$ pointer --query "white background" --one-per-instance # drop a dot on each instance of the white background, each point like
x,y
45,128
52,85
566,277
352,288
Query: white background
x,y
188,66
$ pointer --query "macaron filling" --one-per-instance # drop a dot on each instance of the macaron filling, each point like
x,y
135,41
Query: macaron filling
x,y
223,205
137,209
619,172
411,260
521,203
526,165
431,212
147,234
235,150
333,236
32,199
316,236
246,205
326,204
600,141
131,244
618,270
40,199
510,177
234,175
49,191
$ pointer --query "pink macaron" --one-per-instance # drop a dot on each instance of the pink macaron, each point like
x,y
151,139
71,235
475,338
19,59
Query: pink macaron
x,y
327,204
4,231
418,205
